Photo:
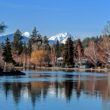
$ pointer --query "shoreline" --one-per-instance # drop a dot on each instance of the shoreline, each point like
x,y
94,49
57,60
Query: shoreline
x,y
67,69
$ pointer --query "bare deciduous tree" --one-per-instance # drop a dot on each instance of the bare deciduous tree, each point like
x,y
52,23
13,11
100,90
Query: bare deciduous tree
x,y
91,53
106,30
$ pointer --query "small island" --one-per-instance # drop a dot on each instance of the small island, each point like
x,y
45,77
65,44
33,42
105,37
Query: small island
x,y
11,73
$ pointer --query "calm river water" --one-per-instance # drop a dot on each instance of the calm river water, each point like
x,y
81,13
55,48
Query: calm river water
x,y
55,90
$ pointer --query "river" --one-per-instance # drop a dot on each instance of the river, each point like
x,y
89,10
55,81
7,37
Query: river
x,y
55,90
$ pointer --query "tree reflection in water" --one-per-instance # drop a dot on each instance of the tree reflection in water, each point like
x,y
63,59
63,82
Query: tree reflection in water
x,y
38,90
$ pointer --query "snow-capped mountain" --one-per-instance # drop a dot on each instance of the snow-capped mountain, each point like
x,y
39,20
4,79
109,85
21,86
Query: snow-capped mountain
x,y
61,37
11,36
26,34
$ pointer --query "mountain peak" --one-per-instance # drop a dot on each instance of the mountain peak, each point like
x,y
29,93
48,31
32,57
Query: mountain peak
x,y
61,37
26,34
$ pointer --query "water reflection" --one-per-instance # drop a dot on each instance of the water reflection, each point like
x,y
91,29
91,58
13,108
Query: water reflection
x,y
38,91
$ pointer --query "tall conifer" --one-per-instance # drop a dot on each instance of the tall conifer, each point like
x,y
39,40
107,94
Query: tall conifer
x,y
17,42
69,53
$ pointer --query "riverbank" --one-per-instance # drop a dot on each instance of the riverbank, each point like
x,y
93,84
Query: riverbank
x,y
68,69
74,69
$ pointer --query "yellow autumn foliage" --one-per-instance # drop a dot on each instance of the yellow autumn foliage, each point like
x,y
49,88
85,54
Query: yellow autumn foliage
x,y
38,56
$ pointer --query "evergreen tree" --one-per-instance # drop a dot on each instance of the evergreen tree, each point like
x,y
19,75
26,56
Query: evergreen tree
x,y
2,44
45,40
17,42
39,37
29,47
57,49
34,35
46,44
33,39
36,39
68,53
2,27
7,55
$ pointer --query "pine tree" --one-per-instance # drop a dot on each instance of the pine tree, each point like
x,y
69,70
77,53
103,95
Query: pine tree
x,y
57,49
36,39
69,53
17,42
34,35
7,55
2,27
45,44
45,40
29,47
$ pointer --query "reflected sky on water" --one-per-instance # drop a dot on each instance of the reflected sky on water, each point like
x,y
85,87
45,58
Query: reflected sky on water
x,y
55,90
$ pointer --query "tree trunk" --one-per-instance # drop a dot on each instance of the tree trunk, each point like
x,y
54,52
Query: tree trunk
x,y
5,67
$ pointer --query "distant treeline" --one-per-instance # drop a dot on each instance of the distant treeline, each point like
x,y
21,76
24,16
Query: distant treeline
x,y
92,51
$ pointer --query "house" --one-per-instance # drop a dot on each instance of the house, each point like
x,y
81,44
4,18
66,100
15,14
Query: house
x,y
82,63
60,61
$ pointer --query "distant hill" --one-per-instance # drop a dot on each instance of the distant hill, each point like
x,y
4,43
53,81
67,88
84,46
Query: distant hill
x,y
61,37
11,36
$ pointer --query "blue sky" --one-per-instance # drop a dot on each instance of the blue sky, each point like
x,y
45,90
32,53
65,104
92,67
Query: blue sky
x,y
81,18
